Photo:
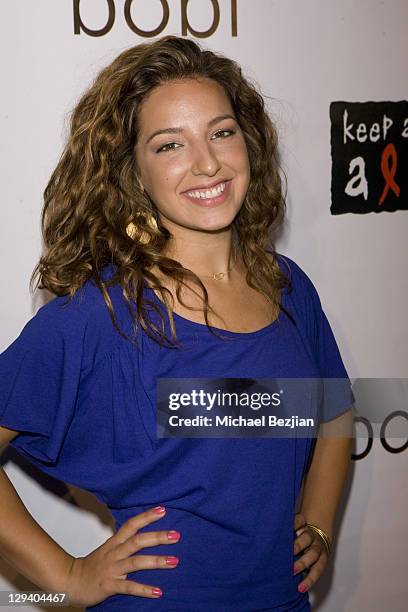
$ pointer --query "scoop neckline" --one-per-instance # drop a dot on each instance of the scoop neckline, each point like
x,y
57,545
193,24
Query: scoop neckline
x,y
202,327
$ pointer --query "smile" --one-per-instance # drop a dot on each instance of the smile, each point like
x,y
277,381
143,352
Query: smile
x,y
207,193
210,197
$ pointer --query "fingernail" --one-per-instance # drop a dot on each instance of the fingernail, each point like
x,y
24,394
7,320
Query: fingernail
x,y
172,560
157,592
295,568
303,588
159,509
173,535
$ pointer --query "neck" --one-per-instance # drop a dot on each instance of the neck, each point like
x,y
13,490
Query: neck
x,y
204,254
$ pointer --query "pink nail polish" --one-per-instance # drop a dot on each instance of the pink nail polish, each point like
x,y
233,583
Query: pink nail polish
x,y
303,588
172,560
173,535
157,592
159,509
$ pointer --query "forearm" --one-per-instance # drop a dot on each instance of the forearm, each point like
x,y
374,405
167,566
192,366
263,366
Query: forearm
x,y
26,546
327,475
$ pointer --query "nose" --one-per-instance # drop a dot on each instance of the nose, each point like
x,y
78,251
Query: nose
x,y
205,160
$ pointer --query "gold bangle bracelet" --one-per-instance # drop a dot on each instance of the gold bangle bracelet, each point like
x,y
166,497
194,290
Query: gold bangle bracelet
x,y
323,536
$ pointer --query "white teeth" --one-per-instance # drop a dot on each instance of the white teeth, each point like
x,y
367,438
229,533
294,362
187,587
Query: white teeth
x,y
209,193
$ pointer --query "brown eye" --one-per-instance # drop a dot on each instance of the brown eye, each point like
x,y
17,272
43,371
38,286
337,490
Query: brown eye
x,y
164,147
228,132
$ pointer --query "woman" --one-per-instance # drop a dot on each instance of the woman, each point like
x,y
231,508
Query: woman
x,y
157,224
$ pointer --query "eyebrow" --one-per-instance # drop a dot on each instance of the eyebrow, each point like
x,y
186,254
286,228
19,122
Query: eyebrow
x,y
178,130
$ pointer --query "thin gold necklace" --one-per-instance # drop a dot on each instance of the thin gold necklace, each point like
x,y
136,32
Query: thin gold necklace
x,y
218,275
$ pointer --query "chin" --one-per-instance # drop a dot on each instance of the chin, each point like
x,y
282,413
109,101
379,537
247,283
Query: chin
x,y
215,228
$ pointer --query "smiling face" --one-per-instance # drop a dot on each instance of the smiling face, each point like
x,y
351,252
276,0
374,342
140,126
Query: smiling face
x,y
204,148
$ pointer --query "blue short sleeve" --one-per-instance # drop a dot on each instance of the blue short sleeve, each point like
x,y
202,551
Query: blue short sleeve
x,y
337,393
39,379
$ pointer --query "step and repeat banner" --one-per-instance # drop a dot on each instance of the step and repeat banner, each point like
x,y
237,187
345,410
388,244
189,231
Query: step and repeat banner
x,y
333,75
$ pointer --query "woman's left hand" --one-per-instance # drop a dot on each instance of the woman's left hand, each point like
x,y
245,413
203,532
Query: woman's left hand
x,y
315,557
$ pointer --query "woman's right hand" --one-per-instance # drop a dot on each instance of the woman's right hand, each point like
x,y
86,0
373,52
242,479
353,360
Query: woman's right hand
x,y
103,572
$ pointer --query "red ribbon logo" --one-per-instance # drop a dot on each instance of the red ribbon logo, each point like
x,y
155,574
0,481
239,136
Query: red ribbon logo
x,y
389,173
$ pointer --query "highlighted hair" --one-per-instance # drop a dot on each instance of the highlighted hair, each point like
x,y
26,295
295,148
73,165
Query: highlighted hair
x,y
94,193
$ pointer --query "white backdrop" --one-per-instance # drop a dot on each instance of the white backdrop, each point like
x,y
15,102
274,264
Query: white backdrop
x,y
304,55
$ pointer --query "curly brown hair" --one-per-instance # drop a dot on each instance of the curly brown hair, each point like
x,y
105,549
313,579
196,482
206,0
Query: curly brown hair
x,y
94,192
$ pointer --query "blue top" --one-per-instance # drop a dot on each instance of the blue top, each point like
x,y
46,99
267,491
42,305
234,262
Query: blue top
x,y
83,399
